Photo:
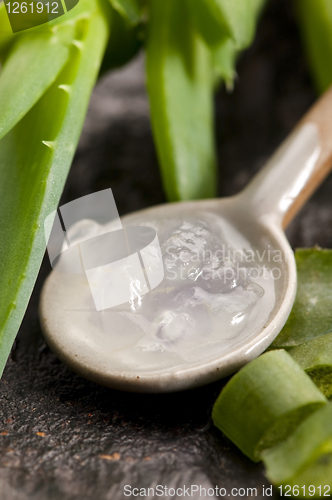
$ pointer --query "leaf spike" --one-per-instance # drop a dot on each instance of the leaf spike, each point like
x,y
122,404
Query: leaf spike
x,y
66,88
78,44
49,144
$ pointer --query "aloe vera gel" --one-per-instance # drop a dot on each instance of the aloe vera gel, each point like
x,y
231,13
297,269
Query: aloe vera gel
x,y
216,293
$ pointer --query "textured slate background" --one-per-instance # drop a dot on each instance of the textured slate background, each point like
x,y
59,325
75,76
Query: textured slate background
x,y
62,437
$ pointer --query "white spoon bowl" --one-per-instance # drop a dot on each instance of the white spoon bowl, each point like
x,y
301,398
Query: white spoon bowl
x,y
257,216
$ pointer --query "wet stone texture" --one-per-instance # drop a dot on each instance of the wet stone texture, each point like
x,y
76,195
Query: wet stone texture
x,y
63,437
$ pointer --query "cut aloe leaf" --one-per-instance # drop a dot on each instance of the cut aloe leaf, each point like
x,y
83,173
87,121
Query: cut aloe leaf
x,y
35,157
31,67
315,357
264,402
315,18
305,458
311,315
180,86
315,479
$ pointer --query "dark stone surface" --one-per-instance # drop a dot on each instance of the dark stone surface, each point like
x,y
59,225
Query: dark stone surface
x,y
63,437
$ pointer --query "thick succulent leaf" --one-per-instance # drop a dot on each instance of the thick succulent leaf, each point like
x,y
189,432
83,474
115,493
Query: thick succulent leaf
x,y
220,19
315,18
31,67
311,315
129,9
35,157
180,86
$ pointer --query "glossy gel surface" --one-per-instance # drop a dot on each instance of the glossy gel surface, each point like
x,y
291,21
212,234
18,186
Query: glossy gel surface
x,y
215,295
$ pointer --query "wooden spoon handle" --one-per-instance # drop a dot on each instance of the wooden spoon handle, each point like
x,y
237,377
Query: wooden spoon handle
x,y
297,168
321,115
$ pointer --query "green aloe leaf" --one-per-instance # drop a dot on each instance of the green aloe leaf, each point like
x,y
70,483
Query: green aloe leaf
x,y
220,19
129,9
264,402
35,157
211,21
123,44
180,86
305,459
31,67
224,60
311,315
6,34
315,18
242,16
227,27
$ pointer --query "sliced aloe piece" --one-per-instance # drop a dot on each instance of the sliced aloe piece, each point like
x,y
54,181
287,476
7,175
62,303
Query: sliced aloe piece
x,y
311,315
180,85
31,67
305,459
264,402
315,357
315,479
35,157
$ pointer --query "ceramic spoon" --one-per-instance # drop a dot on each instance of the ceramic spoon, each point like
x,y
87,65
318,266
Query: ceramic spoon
x,y
259,213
